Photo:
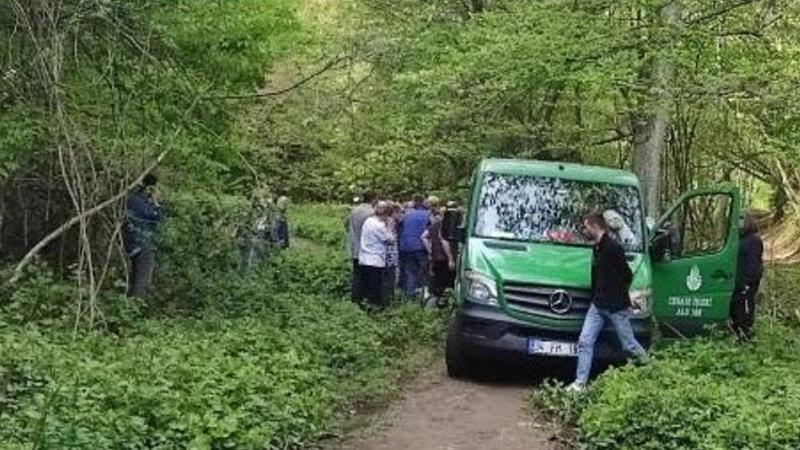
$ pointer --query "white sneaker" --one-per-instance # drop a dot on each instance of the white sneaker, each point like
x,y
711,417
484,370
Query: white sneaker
x,y
576,387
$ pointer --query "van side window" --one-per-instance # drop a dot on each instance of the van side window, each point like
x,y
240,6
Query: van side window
x,y
700,226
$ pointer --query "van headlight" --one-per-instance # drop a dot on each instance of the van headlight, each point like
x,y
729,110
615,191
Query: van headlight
x,y
641,303
479,288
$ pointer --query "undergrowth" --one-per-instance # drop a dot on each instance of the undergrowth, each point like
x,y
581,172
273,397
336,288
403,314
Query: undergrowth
x,y
267,360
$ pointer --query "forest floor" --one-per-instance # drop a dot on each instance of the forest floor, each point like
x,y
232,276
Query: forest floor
x,y
440,413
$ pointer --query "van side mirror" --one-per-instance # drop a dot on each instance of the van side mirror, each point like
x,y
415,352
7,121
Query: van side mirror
x,y
461,234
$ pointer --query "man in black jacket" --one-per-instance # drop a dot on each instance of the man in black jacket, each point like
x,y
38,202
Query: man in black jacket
x,y
611,279
748,277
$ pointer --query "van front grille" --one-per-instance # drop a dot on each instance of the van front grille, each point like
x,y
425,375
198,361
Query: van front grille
x,y
535,299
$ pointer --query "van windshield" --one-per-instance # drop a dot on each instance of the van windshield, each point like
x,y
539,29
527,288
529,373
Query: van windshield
x,y
544,209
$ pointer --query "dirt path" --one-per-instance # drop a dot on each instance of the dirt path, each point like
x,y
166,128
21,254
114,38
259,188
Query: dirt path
x,y
438,413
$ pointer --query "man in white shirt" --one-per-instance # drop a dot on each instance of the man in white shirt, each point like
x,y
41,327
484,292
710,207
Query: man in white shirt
x,y
375,239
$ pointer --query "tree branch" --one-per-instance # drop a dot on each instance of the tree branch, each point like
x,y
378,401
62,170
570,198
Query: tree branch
x,y
329,65
18,270
721,11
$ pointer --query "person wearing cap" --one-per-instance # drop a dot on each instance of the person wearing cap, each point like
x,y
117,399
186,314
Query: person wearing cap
x,y
142,216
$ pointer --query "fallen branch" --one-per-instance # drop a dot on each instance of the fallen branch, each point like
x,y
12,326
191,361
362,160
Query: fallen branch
x,y
18,270
329,65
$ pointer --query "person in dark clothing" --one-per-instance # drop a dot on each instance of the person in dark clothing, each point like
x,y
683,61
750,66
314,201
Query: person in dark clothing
x,y
392,255
442,262
281,224
142,215
611,279
748,277
451,220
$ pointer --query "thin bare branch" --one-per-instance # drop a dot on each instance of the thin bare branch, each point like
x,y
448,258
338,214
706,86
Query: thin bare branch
x,y
329,65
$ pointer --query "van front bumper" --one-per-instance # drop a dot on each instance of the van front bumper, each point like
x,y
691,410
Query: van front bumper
x,y
488,333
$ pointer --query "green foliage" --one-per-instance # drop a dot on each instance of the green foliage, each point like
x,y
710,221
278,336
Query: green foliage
x,y
45,299
198,249
310,269
19,131
230,43
321,223
779,293
273,380
440,85
703,394
275,357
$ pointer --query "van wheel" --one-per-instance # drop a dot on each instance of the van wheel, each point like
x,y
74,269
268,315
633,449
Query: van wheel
x,y
457,364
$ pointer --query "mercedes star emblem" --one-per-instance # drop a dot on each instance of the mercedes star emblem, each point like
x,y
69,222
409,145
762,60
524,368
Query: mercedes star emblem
x,y
560,302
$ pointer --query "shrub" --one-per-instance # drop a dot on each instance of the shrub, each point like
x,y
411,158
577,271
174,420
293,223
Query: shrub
x,y
310,270
321,223
780,287
197,247
46,299
701,394
271,380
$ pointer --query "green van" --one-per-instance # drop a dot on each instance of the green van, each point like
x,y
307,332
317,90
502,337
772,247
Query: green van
x,y
524,285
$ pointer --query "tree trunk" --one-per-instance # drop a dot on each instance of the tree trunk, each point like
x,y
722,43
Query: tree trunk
x,y
650,128
648,146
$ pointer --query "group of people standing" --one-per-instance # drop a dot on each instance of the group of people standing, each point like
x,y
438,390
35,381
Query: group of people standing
x,y
411,246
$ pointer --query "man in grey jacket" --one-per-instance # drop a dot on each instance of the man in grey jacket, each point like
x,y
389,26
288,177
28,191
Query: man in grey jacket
x,y
353,225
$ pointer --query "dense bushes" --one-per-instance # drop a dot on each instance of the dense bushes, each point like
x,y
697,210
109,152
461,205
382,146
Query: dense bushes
x,y
263,361
274,379
198,250
780,299
707,393
322,223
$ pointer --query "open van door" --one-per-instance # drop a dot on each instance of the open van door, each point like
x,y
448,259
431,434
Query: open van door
x,y
694,252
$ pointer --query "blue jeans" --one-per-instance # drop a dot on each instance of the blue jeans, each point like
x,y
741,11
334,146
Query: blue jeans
x,y
412,267
592,325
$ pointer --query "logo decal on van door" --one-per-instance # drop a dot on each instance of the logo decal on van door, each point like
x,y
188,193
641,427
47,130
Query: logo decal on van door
x,y
694,281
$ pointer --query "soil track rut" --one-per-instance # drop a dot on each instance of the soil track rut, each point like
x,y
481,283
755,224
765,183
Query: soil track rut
x,y
439,413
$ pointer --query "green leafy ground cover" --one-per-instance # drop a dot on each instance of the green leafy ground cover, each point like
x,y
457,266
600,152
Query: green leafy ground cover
x,y
710,393
269,365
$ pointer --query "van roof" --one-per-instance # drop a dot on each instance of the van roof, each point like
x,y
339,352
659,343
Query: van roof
x,y
559,170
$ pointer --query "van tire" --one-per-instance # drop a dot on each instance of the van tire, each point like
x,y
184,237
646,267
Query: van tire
x,y
458,366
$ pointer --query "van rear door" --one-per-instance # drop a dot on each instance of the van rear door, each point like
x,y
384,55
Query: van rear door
x,y
694,261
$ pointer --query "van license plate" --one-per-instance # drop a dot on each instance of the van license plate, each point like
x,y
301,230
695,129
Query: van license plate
x,y
552,348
